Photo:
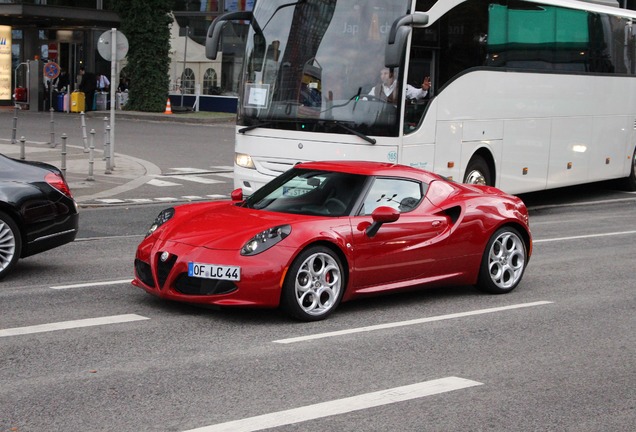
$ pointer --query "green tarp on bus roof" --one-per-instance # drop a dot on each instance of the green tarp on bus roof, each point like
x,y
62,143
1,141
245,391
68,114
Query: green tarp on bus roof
x,y
543,25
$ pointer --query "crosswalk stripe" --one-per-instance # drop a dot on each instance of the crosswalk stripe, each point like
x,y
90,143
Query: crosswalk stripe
x,y
162,183
195,179
111,200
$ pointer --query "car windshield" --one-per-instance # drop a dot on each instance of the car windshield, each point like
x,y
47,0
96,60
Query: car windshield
x,y
309,192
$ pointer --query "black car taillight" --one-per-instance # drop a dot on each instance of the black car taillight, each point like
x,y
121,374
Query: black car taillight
x,y
58,182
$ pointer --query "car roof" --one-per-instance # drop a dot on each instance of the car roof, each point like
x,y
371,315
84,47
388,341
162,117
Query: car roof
x,y
371,169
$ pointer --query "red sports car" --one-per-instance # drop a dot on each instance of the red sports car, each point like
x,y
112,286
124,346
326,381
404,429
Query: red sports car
x,y
326,232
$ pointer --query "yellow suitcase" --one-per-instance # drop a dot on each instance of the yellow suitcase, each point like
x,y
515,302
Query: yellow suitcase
x,y
78,101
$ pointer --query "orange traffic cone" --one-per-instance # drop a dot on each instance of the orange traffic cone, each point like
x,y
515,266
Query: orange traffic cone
x,y
168,107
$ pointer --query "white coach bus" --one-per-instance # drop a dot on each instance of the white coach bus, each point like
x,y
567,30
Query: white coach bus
x,y
526,95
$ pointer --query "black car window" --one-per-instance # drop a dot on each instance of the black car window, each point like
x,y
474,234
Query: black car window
x,y
310,192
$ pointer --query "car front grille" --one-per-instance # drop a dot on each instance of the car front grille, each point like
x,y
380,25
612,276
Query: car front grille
x,y
163,268
144,273
198,286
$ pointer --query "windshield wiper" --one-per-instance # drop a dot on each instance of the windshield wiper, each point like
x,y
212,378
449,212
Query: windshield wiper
x,y
355,132
254,126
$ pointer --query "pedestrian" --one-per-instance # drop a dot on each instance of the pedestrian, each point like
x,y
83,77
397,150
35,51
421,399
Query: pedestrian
x,y
87,85
102,82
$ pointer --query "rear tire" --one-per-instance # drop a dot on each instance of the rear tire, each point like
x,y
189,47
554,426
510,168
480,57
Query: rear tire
x,y
10,244
503,263
629,182
478,172
314,285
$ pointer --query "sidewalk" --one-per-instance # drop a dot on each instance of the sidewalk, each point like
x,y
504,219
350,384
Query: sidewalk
x,y
128,172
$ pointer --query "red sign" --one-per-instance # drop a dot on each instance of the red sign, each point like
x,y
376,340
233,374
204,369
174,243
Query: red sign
x,y
53,51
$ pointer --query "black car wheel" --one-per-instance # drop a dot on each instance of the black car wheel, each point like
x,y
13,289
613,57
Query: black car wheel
x,y
314,285
504,262
477,172
10,244
630,182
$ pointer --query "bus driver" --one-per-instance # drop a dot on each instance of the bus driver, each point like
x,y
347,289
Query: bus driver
x,y
386,90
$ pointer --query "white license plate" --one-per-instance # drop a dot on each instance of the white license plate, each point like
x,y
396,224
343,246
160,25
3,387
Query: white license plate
x,y
214,271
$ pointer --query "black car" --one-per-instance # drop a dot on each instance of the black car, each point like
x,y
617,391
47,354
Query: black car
x,y
37,210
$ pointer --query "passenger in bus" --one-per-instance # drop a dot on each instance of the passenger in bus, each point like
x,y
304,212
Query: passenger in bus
x,y
386,90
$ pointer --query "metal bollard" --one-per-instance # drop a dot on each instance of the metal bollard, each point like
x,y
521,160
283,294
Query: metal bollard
x,y
52,143
63,167
15,125
22,142
105,126
91,157
107,151
82,116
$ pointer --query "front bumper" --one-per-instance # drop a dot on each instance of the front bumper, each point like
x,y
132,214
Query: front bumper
x,y
260,284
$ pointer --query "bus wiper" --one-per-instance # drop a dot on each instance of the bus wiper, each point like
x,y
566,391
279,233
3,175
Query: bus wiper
x,y
355,132
254,126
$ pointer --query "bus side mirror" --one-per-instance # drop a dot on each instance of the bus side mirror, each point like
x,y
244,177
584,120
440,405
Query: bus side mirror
x,y
214,31
400,31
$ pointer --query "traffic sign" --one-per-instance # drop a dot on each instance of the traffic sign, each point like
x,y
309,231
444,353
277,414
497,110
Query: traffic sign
x,y
104,45
51,70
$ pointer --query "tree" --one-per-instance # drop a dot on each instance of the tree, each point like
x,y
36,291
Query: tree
x,y
146,25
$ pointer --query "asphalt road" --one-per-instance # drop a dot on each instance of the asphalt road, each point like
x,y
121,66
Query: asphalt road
x,y
557,354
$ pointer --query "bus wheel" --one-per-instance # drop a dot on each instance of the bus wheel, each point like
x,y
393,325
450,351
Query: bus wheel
x,y
630,181
478,172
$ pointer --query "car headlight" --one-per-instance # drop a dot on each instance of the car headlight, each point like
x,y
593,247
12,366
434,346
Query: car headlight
x,y
161,219
244,160
265,240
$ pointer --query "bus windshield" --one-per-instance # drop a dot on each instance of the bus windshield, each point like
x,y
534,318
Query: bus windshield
x,y
313,65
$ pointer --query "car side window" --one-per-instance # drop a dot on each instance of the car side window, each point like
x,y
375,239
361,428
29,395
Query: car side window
x,y
401,194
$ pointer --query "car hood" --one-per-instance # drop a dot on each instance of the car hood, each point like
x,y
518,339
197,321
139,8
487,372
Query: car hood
x,y
222,225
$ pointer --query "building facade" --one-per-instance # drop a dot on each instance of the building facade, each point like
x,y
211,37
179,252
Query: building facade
x,y
66,32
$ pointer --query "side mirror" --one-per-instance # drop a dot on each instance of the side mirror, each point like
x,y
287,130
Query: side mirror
x,y
237,195
398,35
214,31
381,215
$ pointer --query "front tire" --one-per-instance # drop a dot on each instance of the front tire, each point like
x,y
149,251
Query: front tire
x,y
478,172
10,244
504,262
314,285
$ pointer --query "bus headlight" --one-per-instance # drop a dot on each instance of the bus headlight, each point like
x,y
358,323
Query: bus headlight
x,y
244,160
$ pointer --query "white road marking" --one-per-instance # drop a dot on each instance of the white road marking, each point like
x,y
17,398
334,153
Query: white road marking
x,y
165,199
162,183
226,175
111,200
342,406
408,323
140,200
195,179
582,204
188,170
584,236
92,284
66,325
